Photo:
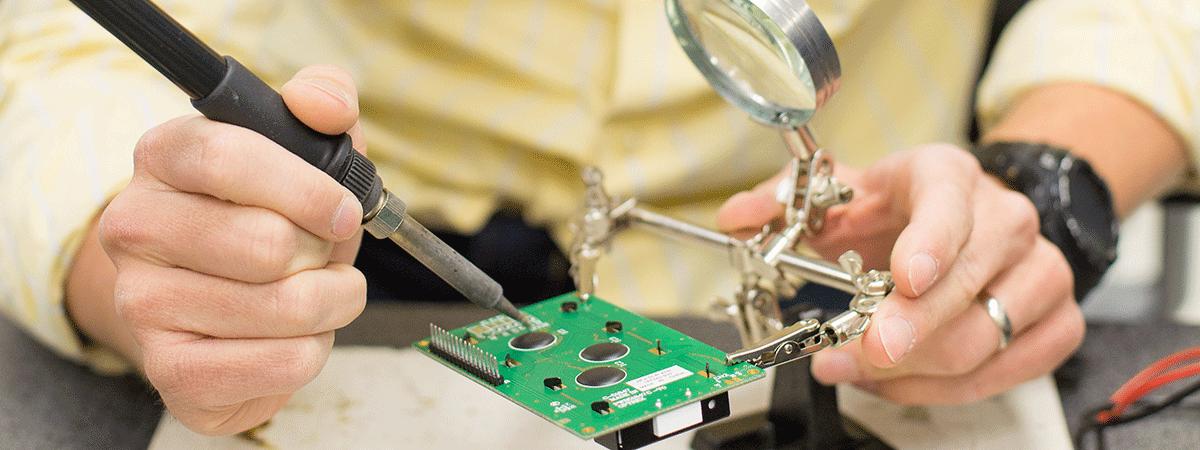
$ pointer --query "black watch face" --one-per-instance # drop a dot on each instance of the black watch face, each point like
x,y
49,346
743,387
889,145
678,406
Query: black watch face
x,y
1090,212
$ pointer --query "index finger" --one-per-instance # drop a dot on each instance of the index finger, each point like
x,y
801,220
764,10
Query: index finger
x,y
964,229
940,220
201,156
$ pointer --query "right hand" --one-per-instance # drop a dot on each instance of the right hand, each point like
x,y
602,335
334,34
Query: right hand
x,y
233,259
949,233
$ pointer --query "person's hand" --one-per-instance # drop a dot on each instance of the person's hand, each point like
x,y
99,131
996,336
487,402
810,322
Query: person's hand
x,y
233,259
951,235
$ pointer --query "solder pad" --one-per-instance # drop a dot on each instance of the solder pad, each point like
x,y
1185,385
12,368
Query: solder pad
x,y
651,369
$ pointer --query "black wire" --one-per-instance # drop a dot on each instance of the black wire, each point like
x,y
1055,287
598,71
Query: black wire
x,y
161,41
1090,422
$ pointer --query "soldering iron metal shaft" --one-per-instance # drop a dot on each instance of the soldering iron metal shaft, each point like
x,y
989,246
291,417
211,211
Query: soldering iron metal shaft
x,y
391,221
224,90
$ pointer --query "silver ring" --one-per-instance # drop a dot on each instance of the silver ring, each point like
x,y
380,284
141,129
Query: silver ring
x,y
996,311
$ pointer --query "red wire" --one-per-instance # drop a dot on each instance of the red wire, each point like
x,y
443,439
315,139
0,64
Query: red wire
x,y
1155,369
1154,383
1151,378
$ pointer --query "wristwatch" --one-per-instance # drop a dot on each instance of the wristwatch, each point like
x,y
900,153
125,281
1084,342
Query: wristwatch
x,y
1074,205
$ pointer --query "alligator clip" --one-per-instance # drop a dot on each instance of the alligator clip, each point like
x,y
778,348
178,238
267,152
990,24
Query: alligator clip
x,y
791,343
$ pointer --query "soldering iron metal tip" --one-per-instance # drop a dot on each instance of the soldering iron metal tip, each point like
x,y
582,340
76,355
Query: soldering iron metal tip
x,y
526,320
506,307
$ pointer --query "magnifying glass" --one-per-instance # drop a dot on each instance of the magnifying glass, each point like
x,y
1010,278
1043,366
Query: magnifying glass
x,y
775,61
771,58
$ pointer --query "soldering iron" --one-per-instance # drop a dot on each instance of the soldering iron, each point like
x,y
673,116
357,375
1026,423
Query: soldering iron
x,y
224,90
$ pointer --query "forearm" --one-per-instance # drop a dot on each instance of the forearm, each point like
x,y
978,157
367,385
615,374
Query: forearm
x,y
89,299
1129,146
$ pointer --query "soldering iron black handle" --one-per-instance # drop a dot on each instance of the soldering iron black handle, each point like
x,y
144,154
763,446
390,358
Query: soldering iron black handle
x,y
243,99
224,90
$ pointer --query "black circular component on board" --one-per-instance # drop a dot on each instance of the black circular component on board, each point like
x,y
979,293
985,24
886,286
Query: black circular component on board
x,y
569,307
598,377
604,352
533,340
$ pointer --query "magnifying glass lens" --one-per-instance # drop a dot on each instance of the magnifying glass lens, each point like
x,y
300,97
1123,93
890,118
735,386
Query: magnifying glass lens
x,y
747,57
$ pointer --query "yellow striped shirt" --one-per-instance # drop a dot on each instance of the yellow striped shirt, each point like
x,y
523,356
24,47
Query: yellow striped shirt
x,y
470,103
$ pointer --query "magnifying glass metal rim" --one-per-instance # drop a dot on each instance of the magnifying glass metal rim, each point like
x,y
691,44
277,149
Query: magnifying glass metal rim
x,y
793,19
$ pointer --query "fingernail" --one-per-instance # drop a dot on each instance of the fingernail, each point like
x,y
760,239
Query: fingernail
x,y
897,336
836,368
329,87
346,220
922,271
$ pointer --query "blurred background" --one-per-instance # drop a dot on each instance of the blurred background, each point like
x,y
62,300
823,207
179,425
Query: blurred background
x,y
1157,273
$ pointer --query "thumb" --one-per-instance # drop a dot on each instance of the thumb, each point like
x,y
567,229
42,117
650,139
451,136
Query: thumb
x,y
325,98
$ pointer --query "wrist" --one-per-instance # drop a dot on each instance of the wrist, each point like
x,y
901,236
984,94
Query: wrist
x,y
1075,206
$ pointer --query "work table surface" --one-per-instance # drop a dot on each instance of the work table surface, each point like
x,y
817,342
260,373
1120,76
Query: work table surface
x,y
46,402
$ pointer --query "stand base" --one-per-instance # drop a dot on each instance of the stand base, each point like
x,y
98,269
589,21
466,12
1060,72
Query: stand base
x,y
803,415
755,432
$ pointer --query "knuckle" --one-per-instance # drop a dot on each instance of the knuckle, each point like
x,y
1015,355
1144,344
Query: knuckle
x,y
145,152
302,359
135,300
355,299
113,228
216,166
309,305
321,197
1060,269
1024,215
171,375
292,306
158,145
272,247
119,227
1074,327
971,279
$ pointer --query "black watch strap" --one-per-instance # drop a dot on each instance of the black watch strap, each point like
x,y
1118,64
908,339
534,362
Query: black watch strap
x,y
1073,203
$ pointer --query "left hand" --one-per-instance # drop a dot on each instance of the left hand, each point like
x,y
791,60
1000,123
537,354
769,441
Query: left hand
x,y
951,235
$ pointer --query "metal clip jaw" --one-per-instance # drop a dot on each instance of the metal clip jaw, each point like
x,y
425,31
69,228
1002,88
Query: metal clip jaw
x,y
797,341
845,327
872,287
810,336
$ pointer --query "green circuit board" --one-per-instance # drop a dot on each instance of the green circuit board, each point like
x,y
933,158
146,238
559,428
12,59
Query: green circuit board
x,y
591,368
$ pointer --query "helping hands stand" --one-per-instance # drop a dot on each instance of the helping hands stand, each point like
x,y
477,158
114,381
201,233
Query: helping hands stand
x,y
803,413
775,61
770,268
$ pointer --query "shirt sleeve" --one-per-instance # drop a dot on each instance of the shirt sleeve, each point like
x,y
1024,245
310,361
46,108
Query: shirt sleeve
x,y
73,103
1148,50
